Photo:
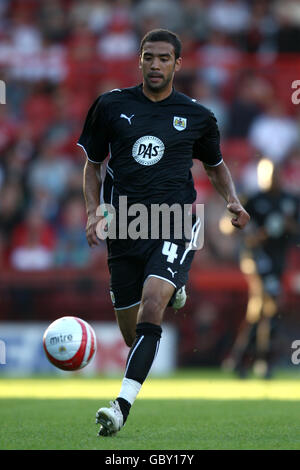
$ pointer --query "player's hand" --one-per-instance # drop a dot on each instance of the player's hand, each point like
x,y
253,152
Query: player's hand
x,y
242,216
92,229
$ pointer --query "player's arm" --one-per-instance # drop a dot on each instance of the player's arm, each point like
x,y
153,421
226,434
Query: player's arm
x,y
94,140
91,191
207,149
221,179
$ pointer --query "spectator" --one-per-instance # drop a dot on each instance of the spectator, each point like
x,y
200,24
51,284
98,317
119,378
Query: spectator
x,y
38,110
4,258
287,12
95,14
291,172
26,38
249,179
56,57
150,14
33,242
274,134
82,64
11,207
53,21
64,123
288,16
8,129
50,171
1,176
194,20
216,57
72,249
119,41
45,202
251,92
203,92
260,35
229,16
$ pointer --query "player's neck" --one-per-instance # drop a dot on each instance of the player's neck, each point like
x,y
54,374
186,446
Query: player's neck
x,y
158,95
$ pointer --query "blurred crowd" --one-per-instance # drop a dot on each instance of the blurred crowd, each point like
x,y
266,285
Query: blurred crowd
x,y
240,59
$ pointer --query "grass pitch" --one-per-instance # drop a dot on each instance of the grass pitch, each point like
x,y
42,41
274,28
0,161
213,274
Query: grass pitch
x,y
188,411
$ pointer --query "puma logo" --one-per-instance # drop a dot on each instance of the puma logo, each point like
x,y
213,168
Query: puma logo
x,y
126,117
172,272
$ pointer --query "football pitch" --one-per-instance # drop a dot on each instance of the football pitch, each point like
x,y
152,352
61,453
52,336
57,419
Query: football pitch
x,y
189,410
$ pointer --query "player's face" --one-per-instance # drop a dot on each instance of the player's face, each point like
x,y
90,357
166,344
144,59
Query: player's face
x,y
158,65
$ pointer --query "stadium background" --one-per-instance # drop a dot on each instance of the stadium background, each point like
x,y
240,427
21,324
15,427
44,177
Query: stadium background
x,y
240,60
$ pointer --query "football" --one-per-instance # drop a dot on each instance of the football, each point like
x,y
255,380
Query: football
x,y
70,343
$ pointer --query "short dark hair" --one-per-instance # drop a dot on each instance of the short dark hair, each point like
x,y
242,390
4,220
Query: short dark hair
x,y
163,35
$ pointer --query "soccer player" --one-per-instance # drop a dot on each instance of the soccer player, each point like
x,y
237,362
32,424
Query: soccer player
x,y
274,229
151,133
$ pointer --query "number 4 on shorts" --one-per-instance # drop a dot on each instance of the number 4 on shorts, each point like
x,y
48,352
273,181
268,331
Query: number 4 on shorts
x,y
170,250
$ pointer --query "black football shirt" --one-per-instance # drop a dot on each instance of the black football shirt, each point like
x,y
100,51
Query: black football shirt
x,y
271,210
150,145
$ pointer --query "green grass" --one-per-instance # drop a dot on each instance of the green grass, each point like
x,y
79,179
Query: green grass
x,y
58,413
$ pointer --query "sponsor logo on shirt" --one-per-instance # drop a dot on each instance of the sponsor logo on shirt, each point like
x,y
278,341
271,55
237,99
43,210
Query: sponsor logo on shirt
x,y
148,150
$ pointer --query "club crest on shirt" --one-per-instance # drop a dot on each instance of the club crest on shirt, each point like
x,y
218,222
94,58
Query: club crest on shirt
x,y
179,123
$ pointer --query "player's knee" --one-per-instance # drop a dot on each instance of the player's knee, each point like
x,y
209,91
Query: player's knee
x,y
128,336
129,339
151,310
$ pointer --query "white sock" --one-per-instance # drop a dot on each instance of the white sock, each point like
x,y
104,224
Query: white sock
x,y
129,390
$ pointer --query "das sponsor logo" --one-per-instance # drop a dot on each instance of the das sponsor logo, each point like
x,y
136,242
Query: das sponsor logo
x,y
148,150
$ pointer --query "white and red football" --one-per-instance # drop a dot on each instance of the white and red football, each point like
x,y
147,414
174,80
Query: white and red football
x,y
70,343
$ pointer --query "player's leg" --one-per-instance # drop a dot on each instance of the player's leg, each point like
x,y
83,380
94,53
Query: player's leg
x,y
155,298
245,340
127,316
160,283
126,319
266,331
126,284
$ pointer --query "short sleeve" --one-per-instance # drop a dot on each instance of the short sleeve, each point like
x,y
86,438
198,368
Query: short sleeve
x,y
94,138
207,148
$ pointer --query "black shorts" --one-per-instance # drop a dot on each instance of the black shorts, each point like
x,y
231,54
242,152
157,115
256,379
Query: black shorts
x,y
131,262
269,267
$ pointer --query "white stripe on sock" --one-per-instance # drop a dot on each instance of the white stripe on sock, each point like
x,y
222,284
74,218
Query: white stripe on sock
x,y
136,346
129,390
